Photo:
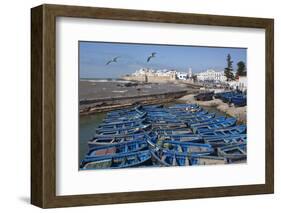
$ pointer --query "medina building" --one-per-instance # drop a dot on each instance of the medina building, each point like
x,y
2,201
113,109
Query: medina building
x,y
211,75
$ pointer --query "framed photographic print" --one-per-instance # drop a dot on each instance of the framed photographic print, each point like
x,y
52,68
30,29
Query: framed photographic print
x,y
136,106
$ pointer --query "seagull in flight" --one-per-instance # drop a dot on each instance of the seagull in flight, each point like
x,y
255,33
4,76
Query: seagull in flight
x,y
151,56
112,60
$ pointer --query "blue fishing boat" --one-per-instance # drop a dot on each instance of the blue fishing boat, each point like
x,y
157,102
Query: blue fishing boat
x,y
122,111
124,160
226,140
108,140
186,116
163,125
178,131
120,124
185,147
186,108
122,130
148,107
199,119
177,136
163,120
205,96
234,152
128,134
113,149
208,122
124,118
241,129
226,97
180,138
207,160
229,122
169,159
239,100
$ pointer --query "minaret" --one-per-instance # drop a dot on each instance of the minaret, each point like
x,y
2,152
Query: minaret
x,y
189,72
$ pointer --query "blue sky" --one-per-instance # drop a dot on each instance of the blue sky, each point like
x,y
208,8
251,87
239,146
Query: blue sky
x,y
94,56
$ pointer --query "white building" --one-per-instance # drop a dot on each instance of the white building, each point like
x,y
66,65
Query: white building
x,y
147,74
240,84
182,75
211,75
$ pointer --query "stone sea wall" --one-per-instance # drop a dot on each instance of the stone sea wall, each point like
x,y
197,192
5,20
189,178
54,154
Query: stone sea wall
x,y
107,104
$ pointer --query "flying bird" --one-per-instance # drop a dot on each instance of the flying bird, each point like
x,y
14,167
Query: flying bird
x,y
151,56
112,60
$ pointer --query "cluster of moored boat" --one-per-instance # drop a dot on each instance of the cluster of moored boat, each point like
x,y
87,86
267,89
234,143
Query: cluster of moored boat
x,y
237,98
233,97
178,135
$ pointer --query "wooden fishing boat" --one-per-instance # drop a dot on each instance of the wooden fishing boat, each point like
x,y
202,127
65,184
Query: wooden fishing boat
x,y
105,141
207,122
178,131
163,120
239,100
169,158
108,140
124,160
188,113
159,114
122,132
228,140
207,160
124,129
226,96
125,111
186,116
122,124
199,119
186,107
168,125
117,126
234,152
125,134
128,118
229,122
130,113
241,129
113,149
182,146
177,136
206,96
183,106
149,107
186,138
